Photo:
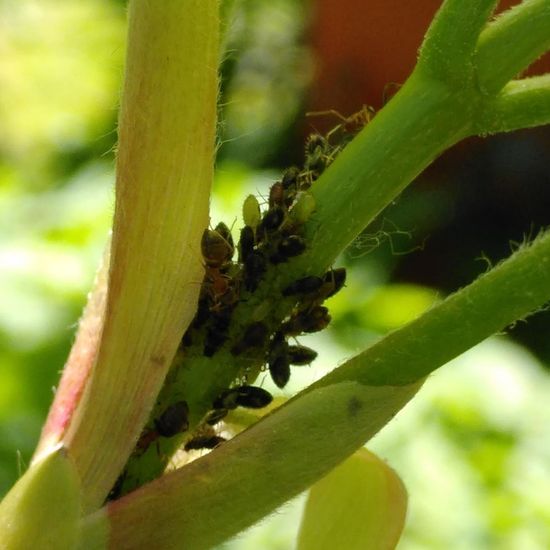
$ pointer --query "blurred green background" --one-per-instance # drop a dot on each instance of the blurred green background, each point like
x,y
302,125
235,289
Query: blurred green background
x,y
474,447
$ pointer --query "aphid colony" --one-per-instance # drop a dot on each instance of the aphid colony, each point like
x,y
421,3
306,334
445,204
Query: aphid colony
x,y
269,238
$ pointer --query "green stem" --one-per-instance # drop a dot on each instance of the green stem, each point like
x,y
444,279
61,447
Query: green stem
x,y
402,140
521,104
512,42
510,291
451,40
287,451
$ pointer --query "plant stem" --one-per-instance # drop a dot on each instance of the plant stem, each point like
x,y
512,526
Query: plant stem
x,y
448,48
521,104
511,43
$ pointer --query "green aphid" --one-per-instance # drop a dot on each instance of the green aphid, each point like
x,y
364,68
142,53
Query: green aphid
x,y
251,211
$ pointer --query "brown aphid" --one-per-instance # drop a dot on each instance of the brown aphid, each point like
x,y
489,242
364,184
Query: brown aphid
x,y
204,442
303,286
225,232
278,362
246,243
174,420
317,153
301,355
279,369
333,281
291,246
276,195
251,397
290,177
272,219
309,320
216,250
255,266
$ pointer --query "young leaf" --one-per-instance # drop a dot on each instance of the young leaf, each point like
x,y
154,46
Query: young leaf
x,y
42,510
361,504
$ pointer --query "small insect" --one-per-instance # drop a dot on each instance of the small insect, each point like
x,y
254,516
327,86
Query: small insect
x,y
317,153
254,336
225,232
310,320
277,195
279,369
306,285
290,177
272,219
251,397
255,266
204,442
350,124
246,243
278,363
173,420
301,355
291,246
251,212
333,281
216,249
216,416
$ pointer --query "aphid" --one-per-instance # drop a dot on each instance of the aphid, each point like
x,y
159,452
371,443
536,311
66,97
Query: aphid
x,y
317,153
301,355
290,177
254,268
279,369
302,208
310,320
216,250
246,243
251,397
225,232
251,212
204,442
173,420
216,416
276,195
291,246
333,281
306,285
278,363
272,219
254,336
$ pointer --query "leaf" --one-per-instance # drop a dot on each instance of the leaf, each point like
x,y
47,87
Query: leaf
x,y
361,504
42,510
